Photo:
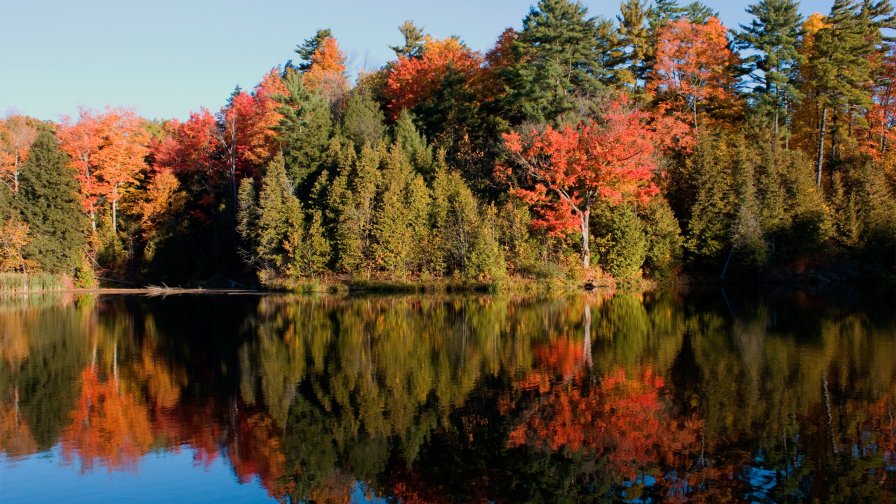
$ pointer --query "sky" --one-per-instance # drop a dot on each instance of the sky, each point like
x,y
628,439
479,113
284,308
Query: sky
x,y
166,58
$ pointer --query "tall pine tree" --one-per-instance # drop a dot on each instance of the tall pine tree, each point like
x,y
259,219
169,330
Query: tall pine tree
x,y
49,204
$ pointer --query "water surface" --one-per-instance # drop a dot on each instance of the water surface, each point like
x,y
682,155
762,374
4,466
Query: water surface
x,y
709,397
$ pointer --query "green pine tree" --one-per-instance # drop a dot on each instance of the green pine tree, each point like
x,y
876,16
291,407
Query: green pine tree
x,y
304,131
413,41
393,240
664,240
628,243
773,36
557,60
247,221
487,260
279,219
363,121
413,143
48,203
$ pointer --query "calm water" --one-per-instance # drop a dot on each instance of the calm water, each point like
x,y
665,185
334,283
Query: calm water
x,y
708,397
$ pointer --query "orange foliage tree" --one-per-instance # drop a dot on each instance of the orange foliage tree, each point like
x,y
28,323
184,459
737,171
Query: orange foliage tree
x,y
81,141
17,133
326,72
124,145
108,151
693,67
566,171
413,80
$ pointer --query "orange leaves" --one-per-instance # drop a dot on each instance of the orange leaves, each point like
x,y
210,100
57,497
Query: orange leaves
x,y
14,236
693,65
412,81
17,133
326,72
107,150
565,171
122,150
163,198
110,425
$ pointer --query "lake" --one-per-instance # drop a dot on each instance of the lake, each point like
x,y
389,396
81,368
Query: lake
x,y
710,396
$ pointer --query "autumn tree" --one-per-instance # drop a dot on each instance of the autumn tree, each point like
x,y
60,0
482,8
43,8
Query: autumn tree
x,y
14,238
692,69
121,155
413,80
17,133
81,141
326,71
163,200
564,172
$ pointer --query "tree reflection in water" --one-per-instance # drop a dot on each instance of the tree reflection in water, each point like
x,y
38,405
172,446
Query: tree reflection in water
x,y
463,398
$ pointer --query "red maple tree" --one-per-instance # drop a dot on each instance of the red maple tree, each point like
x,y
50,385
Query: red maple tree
x,y
564,172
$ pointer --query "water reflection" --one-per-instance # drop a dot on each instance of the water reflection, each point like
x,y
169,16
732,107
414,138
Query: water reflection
x,y
448,398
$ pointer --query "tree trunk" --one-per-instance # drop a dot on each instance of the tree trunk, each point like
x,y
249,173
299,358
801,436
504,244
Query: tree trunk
x,y
824,116
115,215
585,217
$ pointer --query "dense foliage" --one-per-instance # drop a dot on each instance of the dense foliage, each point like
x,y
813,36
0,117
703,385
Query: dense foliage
x,y
578,146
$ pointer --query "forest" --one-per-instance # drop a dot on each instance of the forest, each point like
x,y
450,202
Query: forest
x,y
650,143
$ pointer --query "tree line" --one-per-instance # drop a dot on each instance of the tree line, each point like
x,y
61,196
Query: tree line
x,y
655,142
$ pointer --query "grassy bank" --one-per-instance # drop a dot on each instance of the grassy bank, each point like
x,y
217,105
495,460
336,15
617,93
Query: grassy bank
x,y
22,283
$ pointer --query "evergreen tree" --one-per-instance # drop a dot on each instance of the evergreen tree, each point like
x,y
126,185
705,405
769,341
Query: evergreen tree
x,y
412,142
635,41
355,210
748,238
413,41
664,240
460,225
628,244
841,67
487,260
417,196
773,35
363,121
393,241
49,205
304,131
709,226
310,253
521,250
247,221
557,55
279,219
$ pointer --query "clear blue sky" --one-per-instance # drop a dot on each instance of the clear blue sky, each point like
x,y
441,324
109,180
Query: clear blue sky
x,y
168,57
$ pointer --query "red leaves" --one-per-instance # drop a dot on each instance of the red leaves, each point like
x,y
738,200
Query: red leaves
x,y
567,170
